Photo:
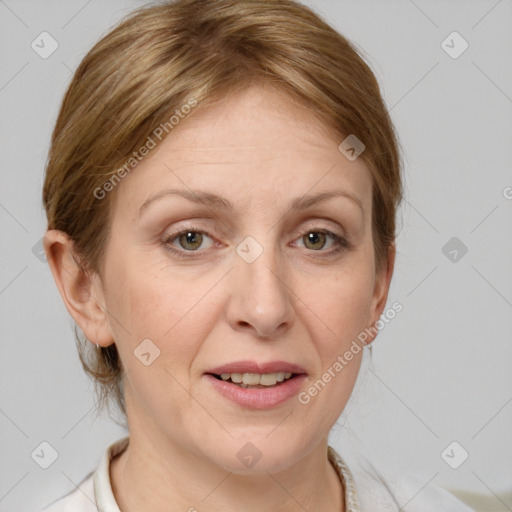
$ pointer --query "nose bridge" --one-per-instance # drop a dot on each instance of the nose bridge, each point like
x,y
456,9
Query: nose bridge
x,y
261,296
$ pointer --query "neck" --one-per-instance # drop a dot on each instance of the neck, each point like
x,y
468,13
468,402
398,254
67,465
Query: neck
x,y
146,478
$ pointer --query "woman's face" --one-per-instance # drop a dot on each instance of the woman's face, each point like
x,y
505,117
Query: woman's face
x,y
256,286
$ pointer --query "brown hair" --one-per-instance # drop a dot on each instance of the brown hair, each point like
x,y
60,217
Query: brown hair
x,y
159,58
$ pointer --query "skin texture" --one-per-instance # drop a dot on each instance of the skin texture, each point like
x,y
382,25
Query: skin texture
x,y
297,302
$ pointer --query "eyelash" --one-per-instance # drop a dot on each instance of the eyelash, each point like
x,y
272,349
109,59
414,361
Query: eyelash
x,y
342,243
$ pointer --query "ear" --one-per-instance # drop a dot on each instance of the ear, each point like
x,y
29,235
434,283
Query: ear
x,y
81,290
381,289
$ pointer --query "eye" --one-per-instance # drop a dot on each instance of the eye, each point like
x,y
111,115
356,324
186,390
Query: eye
x,y
189,239
187,242
315,239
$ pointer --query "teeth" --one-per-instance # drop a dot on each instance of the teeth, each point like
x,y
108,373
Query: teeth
x,y
269,379
255,379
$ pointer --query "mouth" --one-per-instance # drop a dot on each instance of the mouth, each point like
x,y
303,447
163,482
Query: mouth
x,y
255,380
257,385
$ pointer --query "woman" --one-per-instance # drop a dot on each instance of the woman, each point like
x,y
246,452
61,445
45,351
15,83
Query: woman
x,y
221,194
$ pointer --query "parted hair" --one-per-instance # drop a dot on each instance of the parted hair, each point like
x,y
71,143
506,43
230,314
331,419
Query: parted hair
x,y
159,57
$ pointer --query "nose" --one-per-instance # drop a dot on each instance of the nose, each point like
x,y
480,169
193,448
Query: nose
x,y
261,297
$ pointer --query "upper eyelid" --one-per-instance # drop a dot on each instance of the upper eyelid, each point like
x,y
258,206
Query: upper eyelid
x,y
208,231
196,229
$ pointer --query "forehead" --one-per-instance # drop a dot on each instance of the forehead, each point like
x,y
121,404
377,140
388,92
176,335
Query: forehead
x,y
257,146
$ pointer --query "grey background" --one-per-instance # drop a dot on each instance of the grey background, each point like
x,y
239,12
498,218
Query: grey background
x,y
441,370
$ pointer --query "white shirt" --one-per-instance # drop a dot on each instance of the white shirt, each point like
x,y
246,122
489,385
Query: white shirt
x,y
366,490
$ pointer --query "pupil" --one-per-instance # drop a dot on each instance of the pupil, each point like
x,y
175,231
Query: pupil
x,y
190,237
313,237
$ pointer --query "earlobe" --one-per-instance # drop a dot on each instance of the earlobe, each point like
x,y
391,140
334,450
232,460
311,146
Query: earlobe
x,y
381,290
80,290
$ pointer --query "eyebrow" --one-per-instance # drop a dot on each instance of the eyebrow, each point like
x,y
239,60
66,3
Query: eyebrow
x,y
218,202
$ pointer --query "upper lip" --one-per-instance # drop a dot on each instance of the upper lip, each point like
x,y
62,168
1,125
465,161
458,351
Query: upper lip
x,y
254,367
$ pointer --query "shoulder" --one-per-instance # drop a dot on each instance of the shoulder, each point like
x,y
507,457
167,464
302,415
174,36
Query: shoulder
x,y
80,500
391,490
94,492
404,491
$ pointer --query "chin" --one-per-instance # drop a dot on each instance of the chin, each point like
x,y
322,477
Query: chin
x,y
260,453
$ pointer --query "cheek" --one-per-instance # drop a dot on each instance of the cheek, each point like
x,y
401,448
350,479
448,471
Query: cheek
x,y
148,307
341,305
148,302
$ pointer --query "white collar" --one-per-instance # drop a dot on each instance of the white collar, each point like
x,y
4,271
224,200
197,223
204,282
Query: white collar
x,y
106,501
103,493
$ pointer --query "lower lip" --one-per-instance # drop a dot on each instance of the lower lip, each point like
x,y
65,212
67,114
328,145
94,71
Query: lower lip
x,y
258,398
